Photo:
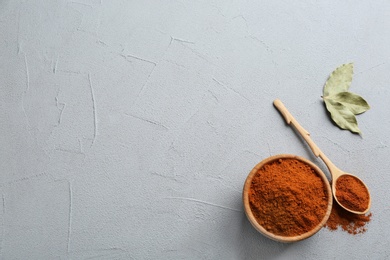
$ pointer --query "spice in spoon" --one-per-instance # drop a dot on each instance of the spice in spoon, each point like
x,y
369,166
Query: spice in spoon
x,y
352,193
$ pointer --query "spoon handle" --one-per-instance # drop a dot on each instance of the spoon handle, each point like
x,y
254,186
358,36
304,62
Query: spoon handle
x,y
291,120
306,135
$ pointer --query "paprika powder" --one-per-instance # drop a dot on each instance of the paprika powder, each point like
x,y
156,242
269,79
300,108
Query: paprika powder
x,y
347,221
287,197
352,193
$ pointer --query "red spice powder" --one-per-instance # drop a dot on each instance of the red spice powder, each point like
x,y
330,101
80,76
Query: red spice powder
x,y
352,193
287,197
347,221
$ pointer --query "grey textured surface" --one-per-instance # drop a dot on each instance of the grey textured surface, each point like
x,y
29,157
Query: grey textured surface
x,y
128,127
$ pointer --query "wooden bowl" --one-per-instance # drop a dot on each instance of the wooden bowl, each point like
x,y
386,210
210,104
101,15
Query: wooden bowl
x,y
262,230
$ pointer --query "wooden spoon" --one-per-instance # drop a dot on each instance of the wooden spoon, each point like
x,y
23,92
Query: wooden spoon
x,y
335,172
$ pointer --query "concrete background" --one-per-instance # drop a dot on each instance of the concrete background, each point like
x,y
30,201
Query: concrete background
x,y
128,127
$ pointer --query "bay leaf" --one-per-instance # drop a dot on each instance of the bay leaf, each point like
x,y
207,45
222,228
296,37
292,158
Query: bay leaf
x,y
342,116
339,80
355,103
342,104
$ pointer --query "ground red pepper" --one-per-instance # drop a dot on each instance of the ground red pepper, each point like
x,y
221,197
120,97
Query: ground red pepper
x,y
347,221
352,193
287,197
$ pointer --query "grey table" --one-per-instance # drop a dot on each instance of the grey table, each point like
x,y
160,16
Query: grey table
x,y
128,127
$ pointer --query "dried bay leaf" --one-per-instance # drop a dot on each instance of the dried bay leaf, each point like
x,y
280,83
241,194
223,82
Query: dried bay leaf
x,y
340,80
342,116
352,101
342,104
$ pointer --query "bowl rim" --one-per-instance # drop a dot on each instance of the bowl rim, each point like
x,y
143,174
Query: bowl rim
x,y
251,217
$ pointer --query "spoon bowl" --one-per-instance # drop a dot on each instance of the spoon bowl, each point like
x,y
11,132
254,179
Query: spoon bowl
x,y
334,171
340,174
